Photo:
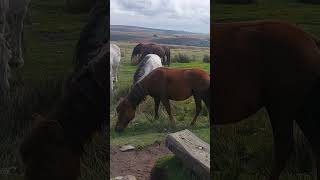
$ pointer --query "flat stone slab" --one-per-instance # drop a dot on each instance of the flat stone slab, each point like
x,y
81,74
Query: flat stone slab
x,y
194,152
127,148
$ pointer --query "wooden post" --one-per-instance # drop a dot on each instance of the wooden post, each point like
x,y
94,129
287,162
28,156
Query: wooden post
x,y
194,152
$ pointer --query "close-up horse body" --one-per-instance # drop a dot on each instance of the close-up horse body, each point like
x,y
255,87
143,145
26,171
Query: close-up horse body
x,y
53,148
271,64
143,49
165,84
149,63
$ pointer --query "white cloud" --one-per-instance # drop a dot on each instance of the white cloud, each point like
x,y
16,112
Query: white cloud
x,y
189,15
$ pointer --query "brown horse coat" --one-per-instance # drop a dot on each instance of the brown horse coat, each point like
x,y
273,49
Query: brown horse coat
x,y
263,63
164,84
143,49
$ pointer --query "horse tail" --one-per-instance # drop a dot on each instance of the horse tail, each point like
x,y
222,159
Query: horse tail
x,y
168,57
206,98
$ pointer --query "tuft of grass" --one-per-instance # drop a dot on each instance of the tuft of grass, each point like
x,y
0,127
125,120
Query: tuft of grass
x,y
170,167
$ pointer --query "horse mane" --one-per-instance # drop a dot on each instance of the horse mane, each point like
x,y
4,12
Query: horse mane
x,y
140,71
136,94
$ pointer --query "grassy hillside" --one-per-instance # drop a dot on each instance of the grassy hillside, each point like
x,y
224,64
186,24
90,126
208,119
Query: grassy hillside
x,y
140,34
244,150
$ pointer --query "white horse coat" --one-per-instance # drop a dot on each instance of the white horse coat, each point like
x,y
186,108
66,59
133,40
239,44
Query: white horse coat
x,y
115,56
146,66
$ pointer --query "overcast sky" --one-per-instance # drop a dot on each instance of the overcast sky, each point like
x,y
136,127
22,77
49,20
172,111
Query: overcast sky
x,y
187,15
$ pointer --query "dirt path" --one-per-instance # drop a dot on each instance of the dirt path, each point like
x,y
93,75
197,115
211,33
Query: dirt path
x,y
138,163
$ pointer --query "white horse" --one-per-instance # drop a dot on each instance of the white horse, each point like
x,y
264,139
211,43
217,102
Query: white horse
x,y
147,65
115,56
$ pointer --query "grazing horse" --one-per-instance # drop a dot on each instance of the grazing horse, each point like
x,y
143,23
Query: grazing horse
x,y
115,56
141,50
147,65
53,148
271,64
164,84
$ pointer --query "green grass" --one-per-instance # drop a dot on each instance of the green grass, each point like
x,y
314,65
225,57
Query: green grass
x,y
174,169
244,150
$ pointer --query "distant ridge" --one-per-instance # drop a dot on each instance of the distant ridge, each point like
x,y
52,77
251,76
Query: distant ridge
x,y
163,36
135,28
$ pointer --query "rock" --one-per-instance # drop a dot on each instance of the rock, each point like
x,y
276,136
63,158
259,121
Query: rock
x,y
127,148
128,177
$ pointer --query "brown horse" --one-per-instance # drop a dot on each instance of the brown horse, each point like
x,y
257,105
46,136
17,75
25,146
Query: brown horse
x,y
53,148
143,49
164,84
271,64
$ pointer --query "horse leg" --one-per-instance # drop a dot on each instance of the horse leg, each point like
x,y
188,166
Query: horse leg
x,y
166,104
156,107
283,142
197,101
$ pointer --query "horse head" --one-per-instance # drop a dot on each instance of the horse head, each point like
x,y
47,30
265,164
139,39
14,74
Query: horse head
x,y
45,153
126,113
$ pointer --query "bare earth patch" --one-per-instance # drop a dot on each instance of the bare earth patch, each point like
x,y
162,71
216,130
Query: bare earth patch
x,y
138,163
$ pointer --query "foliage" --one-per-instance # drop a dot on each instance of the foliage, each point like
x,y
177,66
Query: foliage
x,y
181,58
206,58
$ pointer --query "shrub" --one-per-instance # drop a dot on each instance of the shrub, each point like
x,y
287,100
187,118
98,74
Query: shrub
x,y
206,58
123,53
235,1
181,58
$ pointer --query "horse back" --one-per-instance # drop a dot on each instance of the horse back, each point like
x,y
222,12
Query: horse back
x,y
175,83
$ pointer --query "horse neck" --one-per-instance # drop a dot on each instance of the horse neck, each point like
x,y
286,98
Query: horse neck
x,y
137,94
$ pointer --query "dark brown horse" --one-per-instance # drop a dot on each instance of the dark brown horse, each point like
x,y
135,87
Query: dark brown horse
x,y
143,49
164,84
53,148
271,64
